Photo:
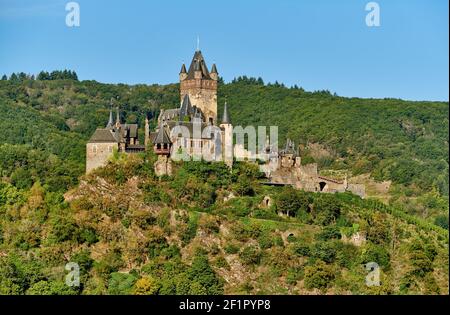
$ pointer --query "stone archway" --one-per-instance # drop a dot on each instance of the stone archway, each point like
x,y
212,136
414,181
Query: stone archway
x,y
322,186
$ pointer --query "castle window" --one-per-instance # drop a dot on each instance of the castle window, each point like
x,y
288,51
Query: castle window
x,y
110,148
94,149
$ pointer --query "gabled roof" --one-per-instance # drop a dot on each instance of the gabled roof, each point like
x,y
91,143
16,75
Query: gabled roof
x,y
198,64
162,137
103,135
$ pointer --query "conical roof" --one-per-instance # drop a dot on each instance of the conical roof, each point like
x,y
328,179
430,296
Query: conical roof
x,y
198,64
162,137
183,69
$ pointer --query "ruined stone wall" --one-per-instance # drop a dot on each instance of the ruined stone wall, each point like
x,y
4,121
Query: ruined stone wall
x,y
163,166
357,189
97,154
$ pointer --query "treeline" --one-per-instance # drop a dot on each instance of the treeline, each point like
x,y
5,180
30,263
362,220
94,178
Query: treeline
x,y
43,75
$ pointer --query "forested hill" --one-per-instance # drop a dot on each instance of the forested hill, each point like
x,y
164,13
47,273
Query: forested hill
x,y
55,114
205,229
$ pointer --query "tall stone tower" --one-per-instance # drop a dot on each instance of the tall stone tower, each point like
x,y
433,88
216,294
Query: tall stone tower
x,y
227,137
201,86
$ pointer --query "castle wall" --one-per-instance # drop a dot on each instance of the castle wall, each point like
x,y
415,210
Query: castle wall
x,y
357,189
97,154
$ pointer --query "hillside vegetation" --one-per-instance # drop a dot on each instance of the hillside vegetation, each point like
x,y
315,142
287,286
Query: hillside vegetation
x,y
203,230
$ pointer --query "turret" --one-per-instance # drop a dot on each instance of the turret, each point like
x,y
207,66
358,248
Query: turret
x,y
110,121
162,143
214,74
183,73
227,137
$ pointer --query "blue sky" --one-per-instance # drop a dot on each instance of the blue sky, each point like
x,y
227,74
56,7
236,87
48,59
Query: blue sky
x,y
320,44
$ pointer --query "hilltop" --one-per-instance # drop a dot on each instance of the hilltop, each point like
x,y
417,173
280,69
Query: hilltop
x,y
132,232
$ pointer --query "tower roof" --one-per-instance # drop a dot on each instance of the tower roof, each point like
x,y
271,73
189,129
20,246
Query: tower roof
x,y
226,116
162,137
214,68
198,64
183,69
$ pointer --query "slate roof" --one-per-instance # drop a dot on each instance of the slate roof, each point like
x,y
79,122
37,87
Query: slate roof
x,y
162,137
103,135
183,69
186,107
198,64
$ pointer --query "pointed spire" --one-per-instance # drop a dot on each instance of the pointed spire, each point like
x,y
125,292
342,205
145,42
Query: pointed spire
x,y
186,106
225,117
110,121
214,68
183,69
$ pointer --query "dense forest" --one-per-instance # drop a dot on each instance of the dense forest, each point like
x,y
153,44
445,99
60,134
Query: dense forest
x,y
131,232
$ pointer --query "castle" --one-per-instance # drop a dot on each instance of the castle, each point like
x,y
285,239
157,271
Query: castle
x,y
193,131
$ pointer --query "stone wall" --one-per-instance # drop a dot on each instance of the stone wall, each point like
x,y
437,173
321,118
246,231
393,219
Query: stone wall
x,y
203,94
163,166
97,154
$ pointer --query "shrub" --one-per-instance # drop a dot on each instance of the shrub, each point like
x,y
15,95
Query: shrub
x,y
375,253
327,209
201,272
442,221
250,255
50,288
318,276
325,251
147,285
221,262
265,240
328,233
290,201
231,249
121,283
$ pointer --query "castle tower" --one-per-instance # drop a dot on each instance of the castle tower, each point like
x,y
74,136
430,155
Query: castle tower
x,y
227,137
162,146
201,86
